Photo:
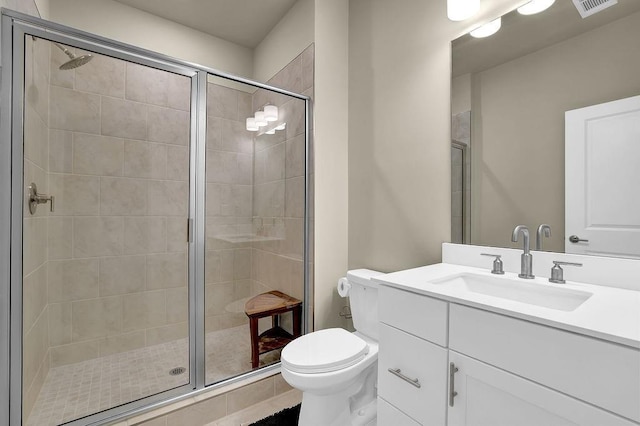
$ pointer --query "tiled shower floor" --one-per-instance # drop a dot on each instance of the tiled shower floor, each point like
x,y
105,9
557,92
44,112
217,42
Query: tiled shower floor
x,y
76,390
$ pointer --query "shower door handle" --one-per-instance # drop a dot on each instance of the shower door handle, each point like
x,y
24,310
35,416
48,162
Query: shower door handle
x,y
189,230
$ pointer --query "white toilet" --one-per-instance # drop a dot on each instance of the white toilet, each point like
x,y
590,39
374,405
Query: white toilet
x,y
336,370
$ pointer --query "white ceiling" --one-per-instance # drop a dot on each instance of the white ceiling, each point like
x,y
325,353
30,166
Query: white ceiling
x,y
244,22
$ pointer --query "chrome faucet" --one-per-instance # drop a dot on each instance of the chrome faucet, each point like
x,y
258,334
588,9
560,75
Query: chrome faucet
x,y
542,229
526,259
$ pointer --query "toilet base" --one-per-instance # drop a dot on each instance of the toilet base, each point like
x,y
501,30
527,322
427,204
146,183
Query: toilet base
x,y
315,411
366,416
355,405
328,410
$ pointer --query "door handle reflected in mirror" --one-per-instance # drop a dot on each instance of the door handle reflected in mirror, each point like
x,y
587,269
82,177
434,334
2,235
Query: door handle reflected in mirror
x,y
575,239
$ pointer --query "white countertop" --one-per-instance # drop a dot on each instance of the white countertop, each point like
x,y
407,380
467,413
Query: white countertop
x,y
611,314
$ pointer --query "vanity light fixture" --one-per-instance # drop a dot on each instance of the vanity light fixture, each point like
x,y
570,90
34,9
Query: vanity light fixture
x,y
271,112
272,130
252,126
261,121
459,10
535,6
263,117
264,130
487,29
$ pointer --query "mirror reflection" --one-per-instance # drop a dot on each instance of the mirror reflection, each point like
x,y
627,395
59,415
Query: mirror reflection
x,y
548,111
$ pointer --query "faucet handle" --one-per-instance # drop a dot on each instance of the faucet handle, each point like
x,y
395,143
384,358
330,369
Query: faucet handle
x,y
557,271
497,263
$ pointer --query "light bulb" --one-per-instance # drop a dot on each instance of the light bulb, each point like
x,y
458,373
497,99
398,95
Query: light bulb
x,y
271,112
281,126
487,29
252,126
459,10
535,6
271,132
260,120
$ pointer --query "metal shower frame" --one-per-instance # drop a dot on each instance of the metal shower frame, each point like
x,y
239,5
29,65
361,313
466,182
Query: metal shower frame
x,y
15,27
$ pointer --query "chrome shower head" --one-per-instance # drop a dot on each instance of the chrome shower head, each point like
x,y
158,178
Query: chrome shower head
x,y
74,61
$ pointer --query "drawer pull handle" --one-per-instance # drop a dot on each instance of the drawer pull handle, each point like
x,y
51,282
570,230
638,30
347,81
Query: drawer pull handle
x,y
452,393
396,372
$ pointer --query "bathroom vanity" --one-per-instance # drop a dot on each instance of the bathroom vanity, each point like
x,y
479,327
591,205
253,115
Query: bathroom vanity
x,y
462,346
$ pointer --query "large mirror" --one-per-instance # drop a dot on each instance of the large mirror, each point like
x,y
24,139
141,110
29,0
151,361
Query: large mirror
x,y
546,130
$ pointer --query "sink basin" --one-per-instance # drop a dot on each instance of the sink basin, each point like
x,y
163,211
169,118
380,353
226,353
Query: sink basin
x,y
532,293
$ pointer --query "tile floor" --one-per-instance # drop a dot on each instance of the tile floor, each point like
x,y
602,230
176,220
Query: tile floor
x,y
76,390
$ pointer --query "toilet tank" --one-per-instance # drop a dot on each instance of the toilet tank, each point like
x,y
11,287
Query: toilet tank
x,y
363,300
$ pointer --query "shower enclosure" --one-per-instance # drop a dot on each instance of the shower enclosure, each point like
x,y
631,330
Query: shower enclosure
x,y
138,214
460,177
458,158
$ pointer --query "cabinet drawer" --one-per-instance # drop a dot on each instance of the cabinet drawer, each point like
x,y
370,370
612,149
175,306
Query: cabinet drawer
x,y
419,315
595,371
390,415
416,359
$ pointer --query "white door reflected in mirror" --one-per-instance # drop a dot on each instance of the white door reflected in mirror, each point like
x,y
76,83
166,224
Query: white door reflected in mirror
x,y
602,175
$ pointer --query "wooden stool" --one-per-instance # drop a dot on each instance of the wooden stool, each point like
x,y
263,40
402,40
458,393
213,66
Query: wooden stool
x,y
271,304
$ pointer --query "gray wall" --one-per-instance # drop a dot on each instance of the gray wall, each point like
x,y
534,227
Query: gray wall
x,y
399,129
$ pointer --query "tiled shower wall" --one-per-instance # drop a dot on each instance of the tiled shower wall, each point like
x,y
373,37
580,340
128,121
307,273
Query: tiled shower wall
x,y
229,165
255,193
279,197
35,259
119,135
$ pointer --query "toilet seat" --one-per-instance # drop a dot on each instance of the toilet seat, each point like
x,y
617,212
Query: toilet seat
x,y
324,351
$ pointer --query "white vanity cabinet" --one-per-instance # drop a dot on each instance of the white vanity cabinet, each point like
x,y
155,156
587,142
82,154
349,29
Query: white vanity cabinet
x,y
505,371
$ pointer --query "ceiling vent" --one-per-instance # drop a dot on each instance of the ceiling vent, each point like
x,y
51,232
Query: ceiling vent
x,y
590,7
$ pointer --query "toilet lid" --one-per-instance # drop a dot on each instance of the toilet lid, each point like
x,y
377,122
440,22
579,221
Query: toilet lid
x,y
324,351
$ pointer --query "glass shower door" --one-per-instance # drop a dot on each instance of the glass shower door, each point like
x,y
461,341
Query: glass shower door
x,y
105,252
255,207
